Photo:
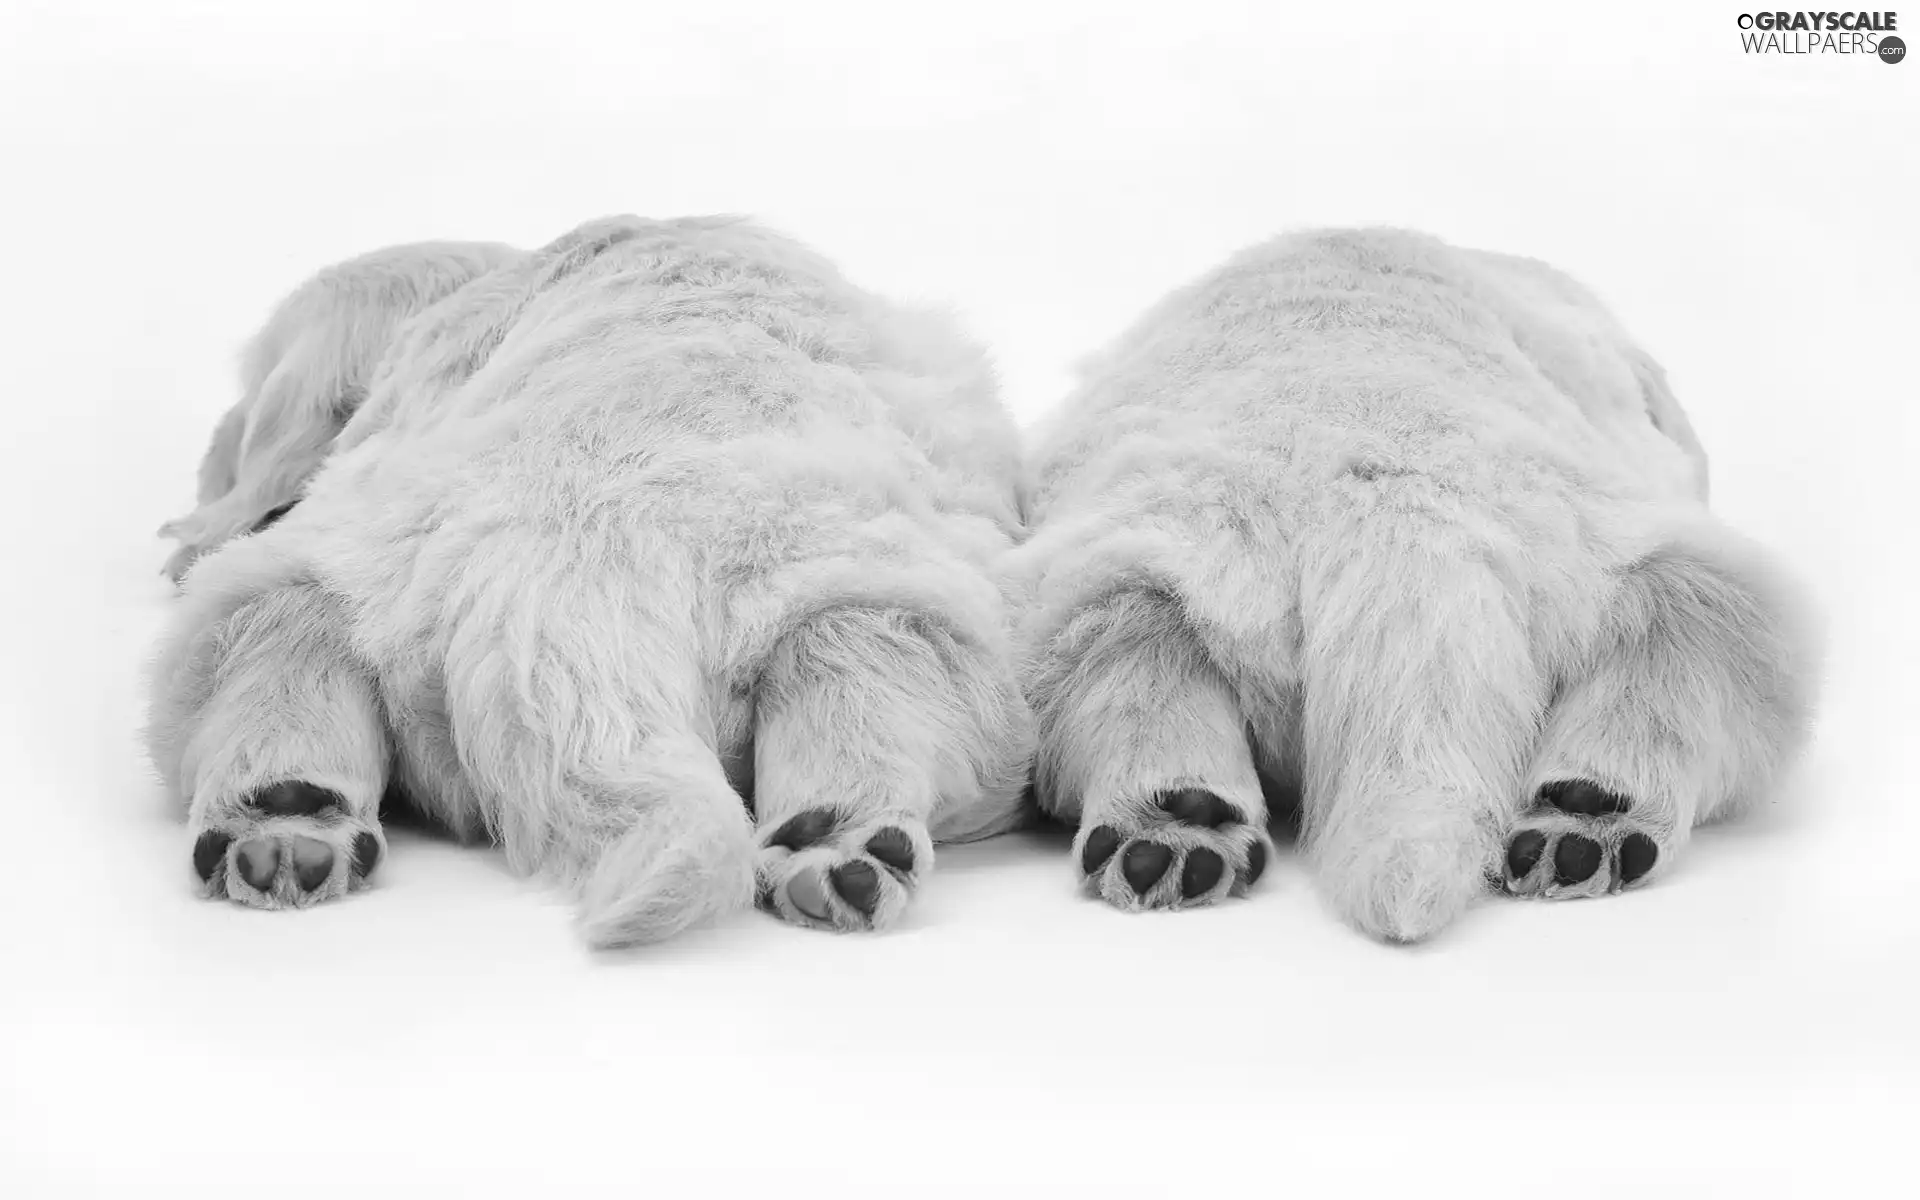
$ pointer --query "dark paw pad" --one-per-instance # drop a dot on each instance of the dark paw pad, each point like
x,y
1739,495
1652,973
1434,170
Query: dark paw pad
x,y
1256,864
804,829
366,852
1575,859
893,848
1197,806
1582,798
1203,870
1144,864
312,862
805,893
1638,853
858,884
1523,853
295,798
259,862
1101,844
209,850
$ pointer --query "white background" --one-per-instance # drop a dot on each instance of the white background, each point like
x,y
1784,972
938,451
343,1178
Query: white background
x,y
167,170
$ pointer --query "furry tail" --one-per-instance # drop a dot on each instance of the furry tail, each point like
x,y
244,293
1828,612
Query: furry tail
x,y
687,857
1420,703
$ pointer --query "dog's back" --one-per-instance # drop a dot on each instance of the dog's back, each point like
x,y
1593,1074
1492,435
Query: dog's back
x,y
604,501
1406,504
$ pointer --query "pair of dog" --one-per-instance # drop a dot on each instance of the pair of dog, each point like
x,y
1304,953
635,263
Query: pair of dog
x,y
693,576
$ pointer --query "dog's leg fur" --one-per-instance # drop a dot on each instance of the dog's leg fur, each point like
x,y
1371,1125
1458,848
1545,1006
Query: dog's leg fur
x,y
868,722
1145,746
1421,704
1695,693
221,464
273,734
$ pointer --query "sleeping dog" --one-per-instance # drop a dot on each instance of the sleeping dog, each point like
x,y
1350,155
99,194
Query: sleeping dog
x,y
663,557
1417,538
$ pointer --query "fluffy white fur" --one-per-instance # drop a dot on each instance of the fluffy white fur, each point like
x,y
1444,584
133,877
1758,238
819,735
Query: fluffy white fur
x,y
305,373
1420,532
660,515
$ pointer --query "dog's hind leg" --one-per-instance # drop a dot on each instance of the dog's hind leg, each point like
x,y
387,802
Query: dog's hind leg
x,y
873,727
1144,745
265,722
1693,695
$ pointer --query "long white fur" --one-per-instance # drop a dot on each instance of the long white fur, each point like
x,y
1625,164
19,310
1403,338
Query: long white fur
x,y
600,505
305,373
1437,528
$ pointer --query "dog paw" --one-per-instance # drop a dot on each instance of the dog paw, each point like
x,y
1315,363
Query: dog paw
x,y
820,868
1192,848
205,530
288,844
180,562
1579,839
194,537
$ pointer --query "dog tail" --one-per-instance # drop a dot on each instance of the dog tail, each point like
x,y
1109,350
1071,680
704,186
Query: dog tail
x,y
687,857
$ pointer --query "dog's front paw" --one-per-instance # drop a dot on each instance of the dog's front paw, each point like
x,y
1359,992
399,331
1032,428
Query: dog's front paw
x,y
1579,839
180,561
821,869
288,844
205,530
1191,847
195,540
